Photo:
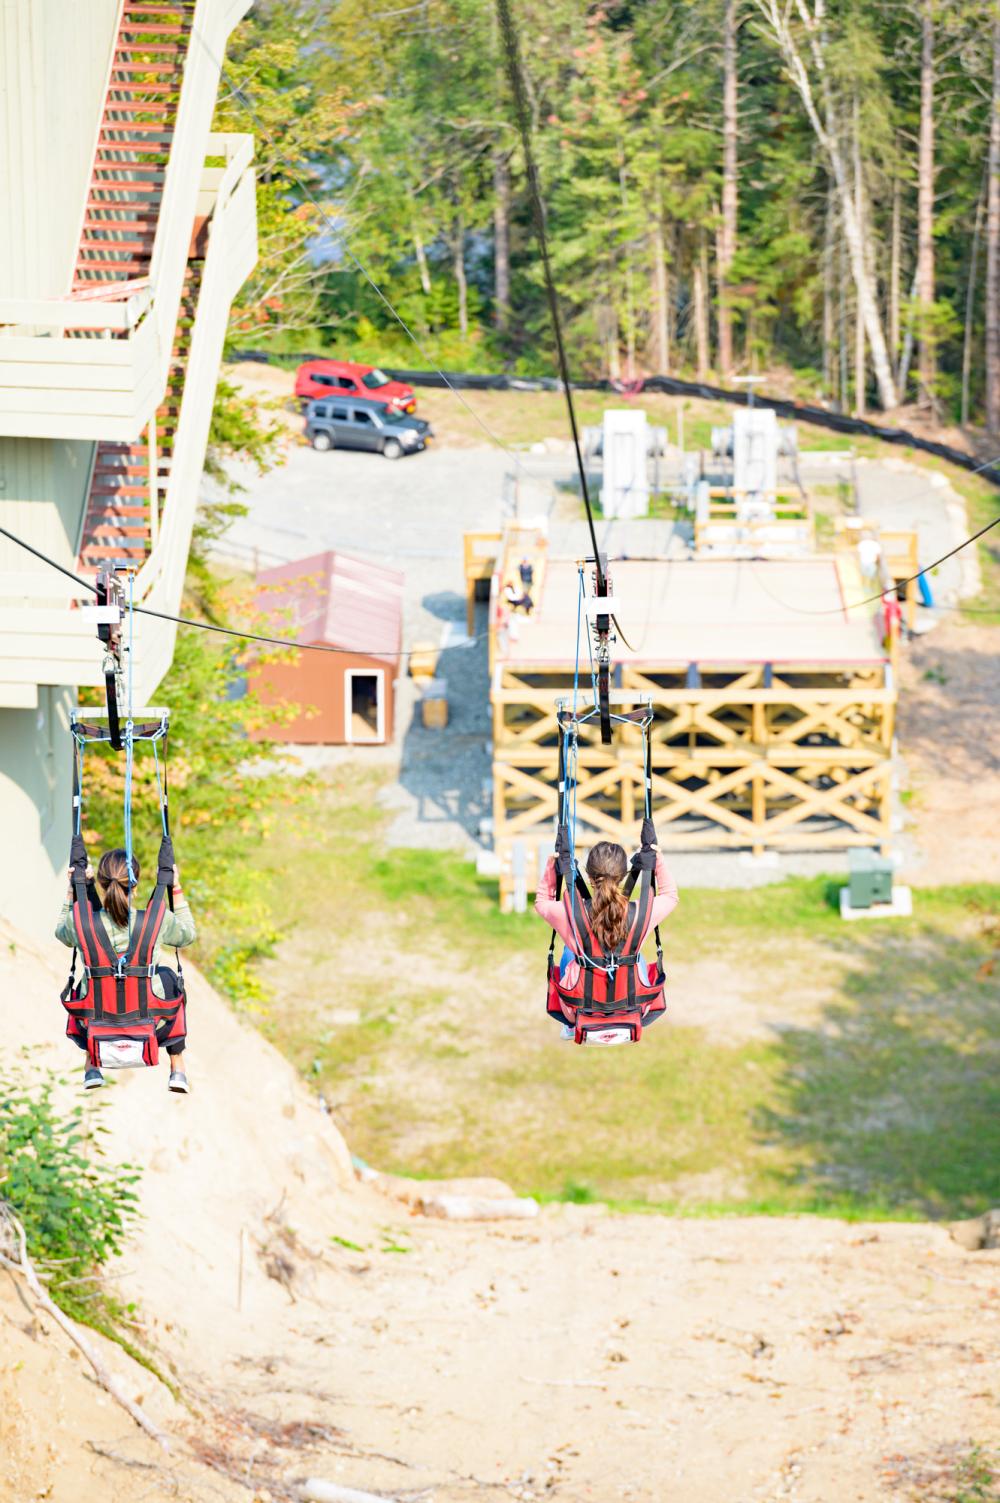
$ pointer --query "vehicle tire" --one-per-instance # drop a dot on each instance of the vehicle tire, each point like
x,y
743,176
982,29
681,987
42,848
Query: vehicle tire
x,y
392,448
322,442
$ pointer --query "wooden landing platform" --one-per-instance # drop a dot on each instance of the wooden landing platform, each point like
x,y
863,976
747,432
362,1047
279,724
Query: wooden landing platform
x,y
707,612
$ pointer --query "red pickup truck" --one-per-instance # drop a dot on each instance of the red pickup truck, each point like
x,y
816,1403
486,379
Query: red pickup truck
x,y
324,378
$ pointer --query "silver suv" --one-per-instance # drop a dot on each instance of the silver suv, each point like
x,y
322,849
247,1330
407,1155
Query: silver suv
x,y
352,423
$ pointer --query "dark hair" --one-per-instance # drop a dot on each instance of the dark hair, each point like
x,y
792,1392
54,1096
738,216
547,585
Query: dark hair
x,y
112,874
606,868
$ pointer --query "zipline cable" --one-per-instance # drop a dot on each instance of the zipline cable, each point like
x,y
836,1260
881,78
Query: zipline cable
x,y
514,73
892,589
247,636
230,631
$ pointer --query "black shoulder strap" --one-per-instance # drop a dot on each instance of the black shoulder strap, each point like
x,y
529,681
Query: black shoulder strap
x,y
644,862
165,862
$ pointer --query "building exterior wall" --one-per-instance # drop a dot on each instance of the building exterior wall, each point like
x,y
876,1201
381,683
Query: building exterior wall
x,y
35,793
54,59
43,489
59,394
312,683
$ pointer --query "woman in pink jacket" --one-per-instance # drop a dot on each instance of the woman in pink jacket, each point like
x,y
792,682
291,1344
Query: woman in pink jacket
x,y
607,868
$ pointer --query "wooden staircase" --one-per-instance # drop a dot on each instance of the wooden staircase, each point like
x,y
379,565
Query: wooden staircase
x,y
116,247
130,480
133,147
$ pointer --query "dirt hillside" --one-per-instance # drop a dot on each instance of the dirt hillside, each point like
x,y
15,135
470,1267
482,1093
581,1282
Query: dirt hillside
x,y
580,1355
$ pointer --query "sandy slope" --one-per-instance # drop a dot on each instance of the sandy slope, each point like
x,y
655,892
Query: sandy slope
x,y
582,1355
63,1439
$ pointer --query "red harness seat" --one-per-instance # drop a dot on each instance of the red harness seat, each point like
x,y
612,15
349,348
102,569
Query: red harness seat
x,y
609,1003
118,1016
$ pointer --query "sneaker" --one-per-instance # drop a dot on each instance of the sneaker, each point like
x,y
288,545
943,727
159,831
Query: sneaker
x,y
92,1078
568,1032
178,1082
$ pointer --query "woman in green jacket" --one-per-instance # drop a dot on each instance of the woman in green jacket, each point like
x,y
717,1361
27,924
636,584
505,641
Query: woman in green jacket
x,y
118,918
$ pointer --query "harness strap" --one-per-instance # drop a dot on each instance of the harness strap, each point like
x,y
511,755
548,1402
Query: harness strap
x,y
102,971
165,860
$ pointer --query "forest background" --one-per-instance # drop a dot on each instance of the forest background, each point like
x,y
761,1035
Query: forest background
x,y
789,186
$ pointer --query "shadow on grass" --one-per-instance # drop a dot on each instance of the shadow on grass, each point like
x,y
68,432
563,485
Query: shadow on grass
x,y
894,1098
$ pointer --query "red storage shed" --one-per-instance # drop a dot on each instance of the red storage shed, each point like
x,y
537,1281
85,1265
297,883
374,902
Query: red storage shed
x,y
347,603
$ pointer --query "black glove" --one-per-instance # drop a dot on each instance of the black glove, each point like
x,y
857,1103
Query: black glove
x,y
165,863
644,860
78,858
562,849
648,836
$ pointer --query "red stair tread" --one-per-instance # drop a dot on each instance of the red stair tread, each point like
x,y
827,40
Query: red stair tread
x,y
129,266
93,552
143,68
112,245
144,127
151,148
120,185
140,226
133,90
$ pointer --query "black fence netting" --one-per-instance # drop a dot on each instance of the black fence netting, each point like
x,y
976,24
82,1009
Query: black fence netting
x,y
673,386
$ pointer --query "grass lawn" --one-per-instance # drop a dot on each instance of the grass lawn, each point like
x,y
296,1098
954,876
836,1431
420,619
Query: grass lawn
x,y
808,1066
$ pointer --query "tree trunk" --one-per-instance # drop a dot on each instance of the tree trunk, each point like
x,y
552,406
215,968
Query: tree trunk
x,y
661,322
501,241
425,275
894,273
925,207
824,127
458,265
700,280
829,379
629,275
614,353
970,311
993,246
906,357
860,378
727,229
842,329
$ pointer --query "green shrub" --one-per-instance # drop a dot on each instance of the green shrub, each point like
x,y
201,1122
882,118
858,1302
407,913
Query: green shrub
x,y
74,1206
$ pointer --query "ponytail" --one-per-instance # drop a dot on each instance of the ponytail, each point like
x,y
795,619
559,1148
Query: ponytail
x,y
606,867
112,874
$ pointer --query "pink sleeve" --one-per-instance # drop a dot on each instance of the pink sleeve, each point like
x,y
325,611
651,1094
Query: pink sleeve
x,y
551,911
666,898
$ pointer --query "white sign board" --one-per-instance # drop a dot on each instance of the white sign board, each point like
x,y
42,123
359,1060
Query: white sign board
x,y
625,492
755,452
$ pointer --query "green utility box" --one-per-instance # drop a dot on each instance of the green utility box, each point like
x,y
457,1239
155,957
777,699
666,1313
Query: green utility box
x,y
870,880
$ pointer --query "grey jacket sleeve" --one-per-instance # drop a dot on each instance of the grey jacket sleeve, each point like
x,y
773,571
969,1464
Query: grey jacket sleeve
x,y
65,932
178,928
